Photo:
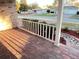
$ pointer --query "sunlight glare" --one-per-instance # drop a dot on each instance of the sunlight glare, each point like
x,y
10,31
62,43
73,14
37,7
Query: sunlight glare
x,y
5,24
2,26
41,3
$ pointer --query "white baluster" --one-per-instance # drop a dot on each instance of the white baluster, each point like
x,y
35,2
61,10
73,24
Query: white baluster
x,y
46,32
49,32
52,33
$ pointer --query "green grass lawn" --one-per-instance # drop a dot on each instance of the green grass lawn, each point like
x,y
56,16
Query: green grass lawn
x,y
75,17
46,14
64,25
69,25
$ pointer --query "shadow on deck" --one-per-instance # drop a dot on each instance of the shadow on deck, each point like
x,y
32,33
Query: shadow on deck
x,y
5,54
27,46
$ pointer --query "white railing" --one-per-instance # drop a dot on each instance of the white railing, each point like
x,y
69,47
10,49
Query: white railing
x,y
44,30
48,32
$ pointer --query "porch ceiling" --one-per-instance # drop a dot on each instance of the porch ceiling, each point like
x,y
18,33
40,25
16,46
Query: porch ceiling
x,y
6,1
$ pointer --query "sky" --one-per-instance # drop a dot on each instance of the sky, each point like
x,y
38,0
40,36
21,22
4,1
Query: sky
x,y
41,3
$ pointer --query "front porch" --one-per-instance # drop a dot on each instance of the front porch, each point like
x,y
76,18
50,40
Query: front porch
x,y
35,40
27,46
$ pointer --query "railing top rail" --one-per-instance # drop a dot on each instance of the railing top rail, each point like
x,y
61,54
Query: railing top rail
x,y
39,23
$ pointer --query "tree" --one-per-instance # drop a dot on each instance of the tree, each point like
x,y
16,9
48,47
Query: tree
x,y
77,4
50,6
17,6
73,2
34,6
23,7
55,4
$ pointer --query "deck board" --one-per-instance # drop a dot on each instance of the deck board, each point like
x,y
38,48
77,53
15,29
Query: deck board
x,y
27,46
16,40
10,48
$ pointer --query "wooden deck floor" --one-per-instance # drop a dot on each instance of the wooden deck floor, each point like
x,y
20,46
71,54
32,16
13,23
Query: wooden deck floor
x,y
27,46
5,53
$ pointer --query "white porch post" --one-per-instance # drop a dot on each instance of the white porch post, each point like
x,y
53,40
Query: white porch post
x,y
59,22
19,23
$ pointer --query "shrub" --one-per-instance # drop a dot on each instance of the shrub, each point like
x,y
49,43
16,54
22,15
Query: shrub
x,y
35,20
65,29
77,12
77,32
44,22
48,11
18,12
35,11
52,12
25,19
